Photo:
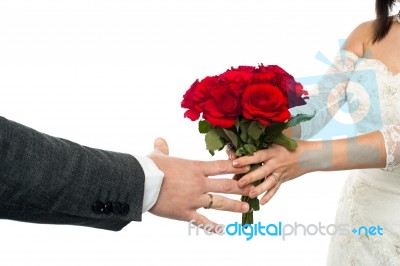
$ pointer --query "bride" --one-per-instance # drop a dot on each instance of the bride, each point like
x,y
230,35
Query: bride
x,y
366,76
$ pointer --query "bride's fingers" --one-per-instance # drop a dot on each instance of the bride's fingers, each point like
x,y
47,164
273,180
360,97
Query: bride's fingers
x,y
259,173
268,184
268,196
257,157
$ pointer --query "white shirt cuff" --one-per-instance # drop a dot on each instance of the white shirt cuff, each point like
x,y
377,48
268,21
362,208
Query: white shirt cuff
x,y
152,182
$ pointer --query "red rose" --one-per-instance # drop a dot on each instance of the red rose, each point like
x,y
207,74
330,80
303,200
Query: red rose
x,y
294,91
278,70
297,95
188,102
249,69
264,75
218,100
237,77
195,98
223,106
265,103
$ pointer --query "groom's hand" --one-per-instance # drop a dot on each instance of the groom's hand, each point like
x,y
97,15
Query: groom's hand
x,y
186,186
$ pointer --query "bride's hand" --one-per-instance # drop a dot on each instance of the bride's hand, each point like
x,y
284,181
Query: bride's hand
x,y
279,165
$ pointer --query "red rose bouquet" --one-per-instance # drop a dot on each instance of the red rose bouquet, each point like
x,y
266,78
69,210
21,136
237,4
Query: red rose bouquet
x,y
248,108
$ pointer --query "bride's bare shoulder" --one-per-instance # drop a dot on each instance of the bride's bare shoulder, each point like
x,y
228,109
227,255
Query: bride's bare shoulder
x,y
360,38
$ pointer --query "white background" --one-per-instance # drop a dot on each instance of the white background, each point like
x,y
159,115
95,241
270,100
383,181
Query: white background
x,y
111,75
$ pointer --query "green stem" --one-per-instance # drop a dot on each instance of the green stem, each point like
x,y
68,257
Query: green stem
x,y
247,218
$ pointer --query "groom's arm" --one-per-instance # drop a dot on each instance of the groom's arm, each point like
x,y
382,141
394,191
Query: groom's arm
x,y
44,179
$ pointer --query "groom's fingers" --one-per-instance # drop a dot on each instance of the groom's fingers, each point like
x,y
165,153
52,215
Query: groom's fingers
x,y
160,145
203,222
268,196
220,167
226,186
225,204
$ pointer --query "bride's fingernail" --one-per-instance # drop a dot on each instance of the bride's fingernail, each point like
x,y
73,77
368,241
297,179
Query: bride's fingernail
x,y
235,163
245,207
252,194
242,183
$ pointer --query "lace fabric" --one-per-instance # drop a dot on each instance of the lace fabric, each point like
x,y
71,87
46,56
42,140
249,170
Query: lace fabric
x,y
391,135
371,92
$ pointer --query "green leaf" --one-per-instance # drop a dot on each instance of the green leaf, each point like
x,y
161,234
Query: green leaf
x,y
241,152
255,130
237,125
274,129
251,141
233,137
249,148
300,118
285,141
214,141
244,128
220,131
204,126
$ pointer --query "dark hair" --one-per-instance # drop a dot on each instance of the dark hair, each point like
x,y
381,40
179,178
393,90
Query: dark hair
x,y
383,20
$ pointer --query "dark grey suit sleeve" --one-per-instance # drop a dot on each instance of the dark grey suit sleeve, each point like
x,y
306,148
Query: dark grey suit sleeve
x,y
44,179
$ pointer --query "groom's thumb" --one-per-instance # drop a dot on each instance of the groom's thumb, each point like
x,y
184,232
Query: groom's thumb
x,y
161,145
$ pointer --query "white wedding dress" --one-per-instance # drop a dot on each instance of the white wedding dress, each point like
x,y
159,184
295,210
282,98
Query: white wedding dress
x,y
370,197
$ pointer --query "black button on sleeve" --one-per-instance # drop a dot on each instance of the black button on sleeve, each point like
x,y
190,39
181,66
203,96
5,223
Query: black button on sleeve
x,y
116,207
98,207
108,207
125,209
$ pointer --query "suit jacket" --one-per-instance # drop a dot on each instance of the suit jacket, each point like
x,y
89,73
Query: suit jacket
x,y
44,179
